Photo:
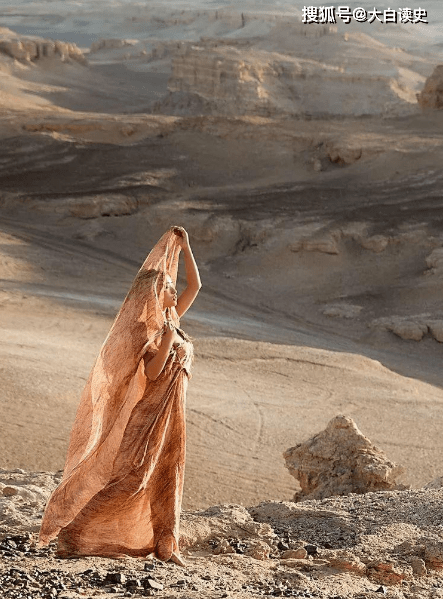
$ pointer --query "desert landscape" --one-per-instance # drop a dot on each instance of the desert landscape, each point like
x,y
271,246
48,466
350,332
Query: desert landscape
x,y
305,163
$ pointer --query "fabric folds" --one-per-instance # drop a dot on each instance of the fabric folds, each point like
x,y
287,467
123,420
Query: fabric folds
x,y
123,478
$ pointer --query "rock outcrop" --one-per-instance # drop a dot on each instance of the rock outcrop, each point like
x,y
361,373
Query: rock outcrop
x,y
246,76
434,262
112,44
432,94
413,327
224,522
26,49
338,461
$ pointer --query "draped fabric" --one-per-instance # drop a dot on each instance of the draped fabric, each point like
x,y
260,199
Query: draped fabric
x,y
122,483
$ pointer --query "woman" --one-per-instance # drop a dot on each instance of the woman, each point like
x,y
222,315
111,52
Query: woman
x,y
122,484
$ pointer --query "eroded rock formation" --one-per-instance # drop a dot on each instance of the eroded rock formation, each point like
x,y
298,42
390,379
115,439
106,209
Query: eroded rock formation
x,y
112,44
26,49
432,94
338,461
412,327
243,76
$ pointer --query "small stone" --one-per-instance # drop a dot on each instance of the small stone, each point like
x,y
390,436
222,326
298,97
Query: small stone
x,y
87,572
259,550
150,583
311,549
283,546
223,547
238,547
117,577
381,589
149,566
316,165
418,566
206,577
376,243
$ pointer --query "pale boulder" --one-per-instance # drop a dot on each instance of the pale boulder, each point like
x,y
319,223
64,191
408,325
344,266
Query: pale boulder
x,y
436,329
410,330
343,154
376,243
222,522
434,261
259,550
324,245
338,461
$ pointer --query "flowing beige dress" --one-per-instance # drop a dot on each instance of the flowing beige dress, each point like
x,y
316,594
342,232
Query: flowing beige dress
x,y
122,484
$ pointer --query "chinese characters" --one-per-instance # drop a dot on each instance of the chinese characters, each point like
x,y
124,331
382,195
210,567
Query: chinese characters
x,y
323,15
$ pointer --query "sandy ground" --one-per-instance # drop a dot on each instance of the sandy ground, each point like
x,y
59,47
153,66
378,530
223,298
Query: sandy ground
x,y
271,369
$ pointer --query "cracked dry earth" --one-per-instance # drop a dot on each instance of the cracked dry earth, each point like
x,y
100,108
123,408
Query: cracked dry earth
x,y
359,546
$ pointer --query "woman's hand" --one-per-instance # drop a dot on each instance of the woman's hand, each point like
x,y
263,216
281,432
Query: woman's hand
x,y
170,335
183,235
155,365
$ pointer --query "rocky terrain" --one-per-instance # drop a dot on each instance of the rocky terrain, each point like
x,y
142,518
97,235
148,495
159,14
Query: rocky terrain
x,y
355,546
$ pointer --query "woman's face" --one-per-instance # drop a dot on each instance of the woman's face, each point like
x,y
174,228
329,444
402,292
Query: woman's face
x,y
170,294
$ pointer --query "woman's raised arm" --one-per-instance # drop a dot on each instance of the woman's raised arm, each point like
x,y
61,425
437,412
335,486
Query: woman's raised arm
x,y
193,285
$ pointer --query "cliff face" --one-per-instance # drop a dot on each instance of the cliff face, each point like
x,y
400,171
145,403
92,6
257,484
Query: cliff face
x,y
230,77
27,49
247,76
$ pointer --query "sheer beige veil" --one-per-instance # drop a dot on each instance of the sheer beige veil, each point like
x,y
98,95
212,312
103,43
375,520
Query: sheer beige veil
x,y
116,383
